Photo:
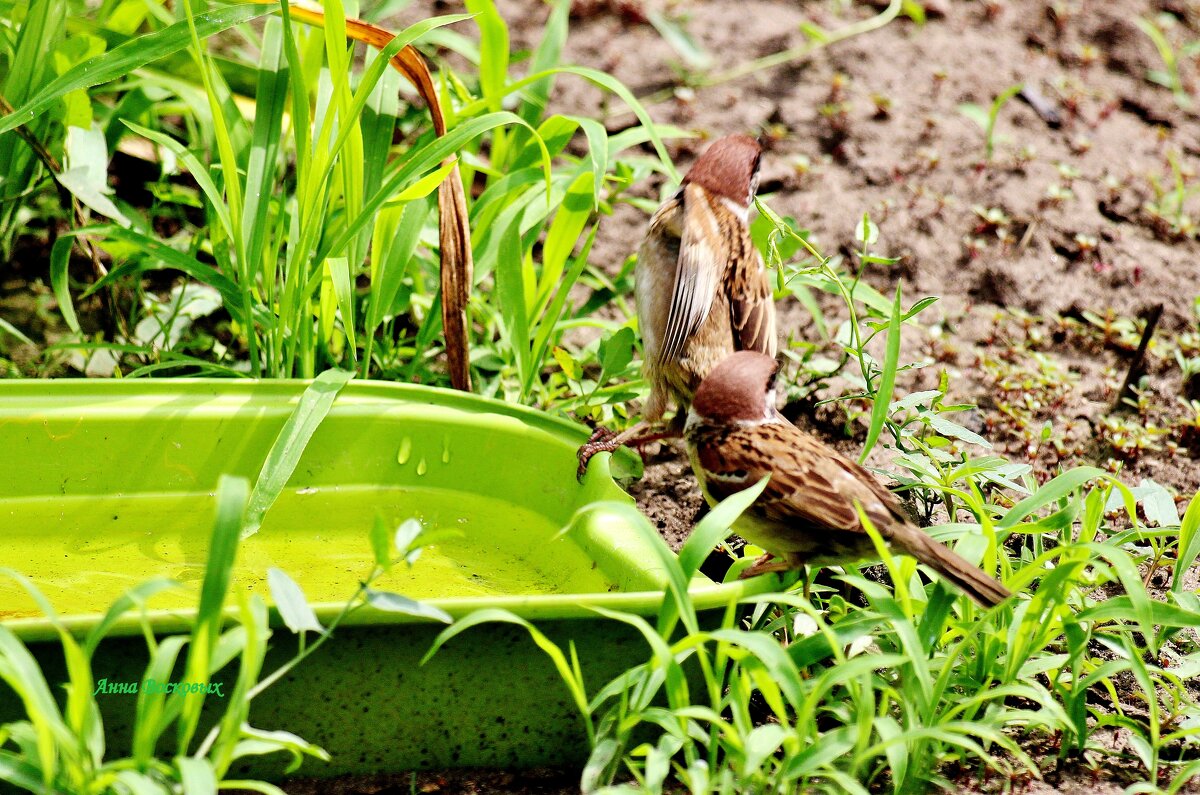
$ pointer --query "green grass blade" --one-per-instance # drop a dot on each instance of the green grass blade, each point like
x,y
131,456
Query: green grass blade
x,y
134,597
161,256
21,672
379,119
60,261
285,453
493,51
261,167
546,56
426,158
393,258
232,497
488,615
196,775
766,649
198,170
674,679
122,60
510,294
563,234
43,26
716,527
887,379
343,289
152,718
608,83
1053,491
18,772
548,323
1188,548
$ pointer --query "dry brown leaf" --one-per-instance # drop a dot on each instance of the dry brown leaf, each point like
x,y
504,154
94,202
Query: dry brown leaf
x,y
457,265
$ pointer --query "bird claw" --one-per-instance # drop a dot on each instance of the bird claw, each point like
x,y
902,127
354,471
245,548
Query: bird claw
x,y
601,441
765,564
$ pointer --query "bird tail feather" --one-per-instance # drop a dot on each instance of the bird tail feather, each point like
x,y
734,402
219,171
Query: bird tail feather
x,y
967,577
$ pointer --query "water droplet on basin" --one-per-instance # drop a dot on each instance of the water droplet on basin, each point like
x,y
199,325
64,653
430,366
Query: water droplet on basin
x,y
421,468
405,451
446,450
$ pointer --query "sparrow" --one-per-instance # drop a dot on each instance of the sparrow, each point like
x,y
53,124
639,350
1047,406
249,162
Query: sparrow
x,y
701,289
808,512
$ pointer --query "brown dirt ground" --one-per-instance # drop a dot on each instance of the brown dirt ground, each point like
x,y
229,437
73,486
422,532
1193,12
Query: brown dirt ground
x,y
1006,290
872,125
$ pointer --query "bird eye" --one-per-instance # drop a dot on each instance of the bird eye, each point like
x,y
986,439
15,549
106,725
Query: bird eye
x,y
773,378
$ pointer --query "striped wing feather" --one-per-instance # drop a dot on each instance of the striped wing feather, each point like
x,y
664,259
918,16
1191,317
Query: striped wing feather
x,y
812,487
811,484
751,304
703,254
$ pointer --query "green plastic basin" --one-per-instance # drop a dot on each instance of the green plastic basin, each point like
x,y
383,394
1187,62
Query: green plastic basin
x,y
104,484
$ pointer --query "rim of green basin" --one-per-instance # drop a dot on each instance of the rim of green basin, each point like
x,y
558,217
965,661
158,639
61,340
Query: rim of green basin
x,y
705,593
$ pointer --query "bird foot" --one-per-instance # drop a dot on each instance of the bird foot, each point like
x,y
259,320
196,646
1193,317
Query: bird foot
x,y
642,442
602,440
766,564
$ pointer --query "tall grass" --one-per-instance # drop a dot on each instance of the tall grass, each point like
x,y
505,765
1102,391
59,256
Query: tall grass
x,y
316,229
67,749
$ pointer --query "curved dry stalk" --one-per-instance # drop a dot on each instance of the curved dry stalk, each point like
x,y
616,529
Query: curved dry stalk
x,y
457,265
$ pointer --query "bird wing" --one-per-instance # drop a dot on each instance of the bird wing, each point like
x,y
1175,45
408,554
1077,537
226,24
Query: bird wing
x,y
811,484
751,303
703,255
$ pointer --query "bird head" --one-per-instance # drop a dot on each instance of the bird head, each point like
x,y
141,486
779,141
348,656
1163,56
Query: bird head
x,y
740,389
729,168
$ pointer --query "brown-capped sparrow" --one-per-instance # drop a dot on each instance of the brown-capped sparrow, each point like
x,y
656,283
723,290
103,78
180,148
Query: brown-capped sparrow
x,y
808,512
702,291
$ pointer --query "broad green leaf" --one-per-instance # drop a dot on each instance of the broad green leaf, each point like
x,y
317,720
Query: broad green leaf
x,y
395,603
511,289
289,600
196,775
85,171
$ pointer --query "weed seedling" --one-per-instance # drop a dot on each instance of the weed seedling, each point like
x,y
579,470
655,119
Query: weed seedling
x,y
986,119
1168,76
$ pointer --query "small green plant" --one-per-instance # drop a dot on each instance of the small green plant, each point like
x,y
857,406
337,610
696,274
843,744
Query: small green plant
x,y
1188,426
907,685
290,256
1130,437
986,119
1168,76
993,221
1170,211
63,750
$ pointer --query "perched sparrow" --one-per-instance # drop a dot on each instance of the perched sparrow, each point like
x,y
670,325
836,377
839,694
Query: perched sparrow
x,y
807,514
702,291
